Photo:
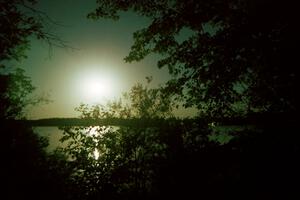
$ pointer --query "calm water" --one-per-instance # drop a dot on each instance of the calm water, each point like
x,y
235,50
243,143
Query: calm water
x,y
220,134
52,133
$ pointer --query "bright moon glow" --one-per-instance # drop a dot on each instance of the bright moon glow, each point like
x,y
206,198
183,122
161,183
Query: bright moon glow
x,y
96,88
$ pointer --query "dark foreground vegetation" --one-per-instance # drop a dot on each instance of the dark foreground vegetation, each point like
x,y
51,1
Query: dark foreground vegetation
x,y
170,161
242,68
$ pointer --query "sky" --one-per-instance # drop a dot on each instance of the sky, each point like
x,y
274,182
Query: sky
x,y
66,75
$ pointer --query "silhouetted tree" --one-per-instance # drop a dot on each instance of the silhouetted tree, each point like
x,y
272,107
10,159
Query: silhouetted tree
x,y
174,159
120,162
18,22
27,172
149,103
226,57
14,94
16,28
140,102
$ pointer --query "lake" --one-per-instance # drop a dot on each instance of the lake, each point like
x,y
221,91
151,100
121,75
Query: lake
x,y
221,134
53,133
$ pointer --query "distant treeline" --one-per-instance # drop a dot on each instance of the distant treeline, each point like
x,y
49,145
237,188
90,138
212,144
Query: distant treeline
x,y
101,122
261,119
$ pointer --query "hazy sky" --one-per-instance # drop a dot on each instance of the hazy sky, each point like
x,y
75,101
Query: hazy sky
x,y
100,48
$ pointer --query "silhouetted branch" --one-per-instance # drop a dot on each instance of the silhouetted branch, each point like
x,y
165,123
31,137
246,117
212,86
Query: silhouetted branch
x,y
51,39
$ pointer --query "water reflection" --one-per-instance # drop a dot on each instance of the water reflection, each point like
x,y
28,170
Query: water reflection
x,y
93,130
96,154
98,130
54,134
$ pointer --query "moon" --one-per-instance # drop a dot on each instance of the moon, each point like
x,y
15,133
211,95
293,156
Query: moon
x,y
96,88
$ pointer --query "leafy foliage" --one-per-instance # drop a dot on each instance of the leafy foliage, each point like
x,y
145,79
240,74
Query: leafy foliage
x,y
113,162
238,57
175,159
140,102
133,162
16,28
14,90
27,172
19,21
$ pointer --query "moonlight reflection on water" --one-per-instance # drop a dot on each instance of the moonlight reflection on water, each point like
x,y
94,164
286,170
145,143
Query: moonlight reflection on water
x,y
54,134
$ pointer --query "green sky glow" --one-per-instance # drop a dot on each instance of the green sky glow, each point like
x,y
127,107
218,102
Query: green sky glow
x,y
100,48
